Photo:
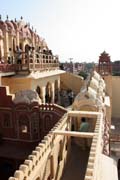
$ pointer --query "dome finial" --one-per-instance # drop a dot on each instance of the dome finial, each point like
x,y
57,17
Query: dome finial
x,y
0,17
21,18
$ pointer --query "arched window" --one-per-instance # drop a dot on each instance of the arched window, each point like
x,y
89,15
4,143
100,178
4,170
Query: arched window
x,y
35,122
24,124
38,90
13,45
24,129
6,121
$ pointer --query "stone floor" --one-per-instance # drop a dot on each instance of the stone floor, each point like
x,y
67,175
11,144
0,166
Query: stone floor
x,y
116,123
77,164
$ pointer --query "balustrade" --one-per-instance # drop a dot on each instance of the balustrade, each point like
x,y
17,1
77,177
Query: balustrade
x,y
39,62
7,67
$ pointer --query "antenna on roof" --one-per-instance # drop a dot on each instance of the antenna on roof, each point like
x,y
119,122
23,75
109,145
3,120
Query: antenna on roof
x,y
7,17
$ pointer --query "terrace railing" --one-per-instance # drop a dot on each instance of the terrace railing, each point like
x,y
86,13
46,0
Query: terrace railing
x,y
31,63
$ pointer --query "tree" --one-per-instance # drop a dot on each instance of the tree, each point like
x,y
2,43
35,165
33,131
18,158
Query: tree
x,y
83,74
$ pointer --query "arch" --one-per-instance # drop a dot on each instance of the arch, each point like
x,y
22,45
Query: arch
x,y
27,48
47,122
27,54
39,91
38,178
7,123
48,95
24,126
14,45
21,46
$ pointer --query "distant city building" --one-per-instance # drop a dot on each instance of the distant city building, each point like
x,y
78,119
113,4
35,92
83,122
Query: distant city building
x,y
116,68
72,67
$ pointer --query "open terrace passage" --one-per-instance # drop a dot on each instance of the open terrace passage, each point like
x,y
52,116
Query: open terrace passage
x,y
77,162
84,161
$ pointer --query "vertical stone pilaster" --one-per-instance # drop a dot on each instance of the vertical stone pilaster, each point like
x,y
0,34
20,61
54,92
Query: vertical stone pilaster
x,y
1,48
43,94
6,46
33,40
17,39
34,59
59,91
53,92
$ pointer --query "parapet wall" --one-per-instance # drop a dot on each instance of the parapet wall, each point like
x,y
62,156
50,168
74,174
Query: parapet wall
x,y
48,158
93,167
71,81
116,96
15,116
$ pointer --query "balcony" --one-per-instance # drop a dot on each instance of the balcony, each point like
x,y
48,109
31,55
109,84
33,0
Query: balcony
x,y
7,69
28,64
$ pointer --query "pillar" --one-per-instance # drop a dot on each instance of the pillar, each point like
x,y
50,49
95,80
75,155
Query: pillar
x,y
43,94
34,58
6,46
1,48
53,93
17,39
59,91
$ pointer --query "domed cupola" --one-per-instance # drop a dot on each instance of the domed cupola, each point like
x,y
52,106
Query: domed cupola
x,y
3,25
10,26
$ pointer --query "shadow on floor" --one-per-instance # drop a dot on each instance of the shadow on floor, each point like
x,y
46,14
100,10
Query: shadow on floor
x,y
76,166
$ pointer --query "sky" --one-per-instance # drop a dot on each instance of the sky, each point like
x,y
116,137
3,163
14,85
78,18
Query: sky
x,y
74,29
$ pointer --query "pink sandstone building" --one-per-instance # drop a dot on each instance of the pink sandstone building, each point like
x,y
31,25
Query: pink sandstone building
x,y
40,139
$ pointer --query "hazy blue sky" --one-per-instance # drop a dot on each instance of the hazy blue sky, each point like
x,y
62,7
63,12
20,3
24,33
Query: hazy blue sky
x,y
78,29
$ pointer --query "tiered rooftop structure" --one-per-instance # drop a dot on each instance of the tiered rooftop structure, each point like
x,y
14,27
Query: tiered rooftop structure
x,y
36,134
105,66
35,54
26,62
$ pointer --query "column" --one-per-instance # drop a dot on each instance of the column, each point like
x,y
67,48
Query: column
x,y
43,94
1,48
34,58
23,55
17,39
6,46
59,91
53,93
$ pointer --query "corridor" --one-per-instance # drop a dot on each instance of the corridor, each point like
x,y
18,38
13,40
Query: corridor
x,y
77,164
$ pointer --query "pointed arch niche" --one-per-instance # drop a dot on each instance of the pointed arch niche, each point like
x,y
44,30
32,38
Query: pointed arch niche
x,y
48,95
